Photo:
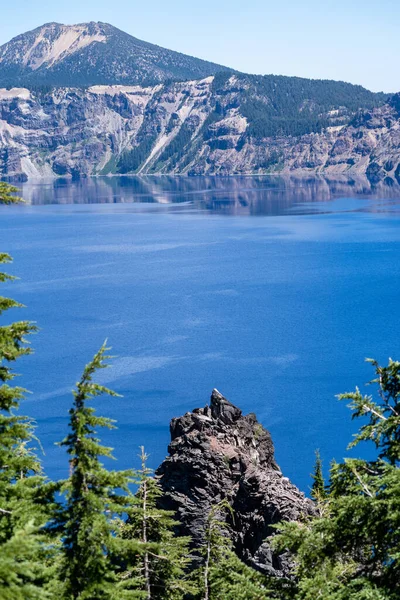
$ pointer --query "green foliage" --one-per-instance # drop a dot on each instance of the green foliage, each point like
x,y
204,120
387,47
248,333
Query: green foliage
x,y
22,574
92,497
176,148
318,491
271,162
383,415
7,194
25,496
292,106
223,574
130,161
352,549
155,562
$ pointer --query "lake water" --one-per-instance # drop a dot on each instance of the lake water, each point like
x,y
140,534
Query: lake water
x,y
271,290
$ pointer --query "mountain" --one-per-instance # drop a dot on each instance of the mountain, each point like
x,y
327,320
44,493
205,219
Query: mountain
x,y
218,453
92,53
224,124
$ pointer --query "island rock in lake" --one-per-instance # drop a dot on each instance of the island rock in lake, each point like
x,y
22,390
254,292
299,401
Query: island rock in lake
x,y
217,453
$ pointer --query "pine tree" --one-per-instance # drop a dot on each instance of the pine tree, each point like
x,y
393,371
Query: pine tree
x,y
382,426
351,551
156,562
22,574
223,574
93,497
318,491
7,194
25,495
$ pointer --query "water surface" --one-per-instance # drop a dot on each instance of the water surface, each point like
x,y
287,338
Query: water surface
x,y
271,290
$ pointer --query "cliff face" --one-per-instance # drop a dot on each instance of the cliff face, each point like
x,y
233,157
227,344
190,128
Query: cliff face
x,y
217,453
207,126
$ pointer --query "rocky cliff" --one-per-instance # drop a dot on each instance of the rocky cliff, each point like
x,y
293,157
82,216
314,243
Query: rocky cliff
x,y
224,124
218,453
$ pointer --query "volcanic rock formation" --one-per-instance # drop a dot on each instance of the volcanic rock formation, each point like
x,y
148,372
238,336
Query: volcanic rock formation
x,y
218,453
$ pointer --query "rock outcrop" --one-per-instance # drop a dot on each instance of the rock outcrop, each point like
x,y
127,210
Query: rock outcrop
x,y
217,453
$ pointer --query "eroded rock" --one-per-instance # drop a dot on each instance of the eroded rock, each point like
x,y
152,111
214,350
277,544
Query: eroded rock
x,y
218,453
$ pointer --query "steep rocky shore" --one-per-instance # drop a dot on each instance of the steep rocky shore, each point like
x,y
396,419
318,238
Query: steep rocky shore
x,y
208,126
218,453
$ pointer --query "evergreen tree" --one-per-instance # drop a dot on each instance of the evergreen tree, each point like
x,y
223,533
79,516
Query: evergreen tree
x,y
25,496
352,550
156,562
382,426
93,497
7,194
318,491
22,574
223,574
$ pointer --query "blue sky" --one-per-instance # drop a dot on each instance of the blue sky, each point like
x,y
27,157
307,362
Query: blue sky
x,y
351,40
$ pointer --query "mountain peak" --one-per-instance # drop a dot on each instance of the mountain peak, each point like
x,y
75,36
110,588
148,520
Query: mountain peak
x,y
92,53
51,43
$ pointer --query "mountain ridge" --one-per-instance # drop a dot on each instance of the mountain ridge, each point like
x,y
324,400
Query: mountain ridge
x,y
93,53
94,100
220,125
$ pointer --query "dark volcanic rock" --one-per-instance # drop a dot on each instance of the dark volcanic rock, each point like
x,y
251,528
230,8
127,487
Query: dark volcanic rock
x,y
217,453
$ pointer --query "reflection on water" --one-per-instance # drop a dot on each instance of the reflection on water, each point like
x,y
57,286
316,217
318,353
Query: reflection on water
x,y
277,313
266,195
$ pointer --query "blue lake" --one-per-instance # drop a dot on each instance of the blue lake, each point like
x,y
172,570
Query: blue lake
x,y
273,291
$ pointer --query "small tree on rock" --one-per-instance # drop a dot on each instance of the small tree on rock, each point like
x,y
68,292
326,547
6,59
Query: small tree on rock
x,y
318,491
156,563
223,574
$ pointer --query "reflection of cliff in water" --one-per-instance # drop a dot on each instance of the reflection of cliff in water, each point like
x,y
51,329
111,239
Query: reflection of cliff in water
x,y
266,195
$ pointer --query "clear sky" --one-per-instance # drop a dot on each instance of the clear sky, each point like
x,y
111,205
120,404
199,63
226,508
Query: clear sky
x,y
350,40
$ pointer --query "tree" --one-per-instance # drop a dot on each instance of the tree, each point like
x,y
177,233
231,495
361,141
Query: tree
x,y
25,495
223,574
22,574
93,497
352,550
7,194
318,491
382,426
156,563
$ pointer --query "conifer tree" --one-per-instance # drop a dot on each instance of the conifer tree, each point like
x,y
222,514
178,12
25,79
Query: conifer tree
x,y
93,497
223,574
351,551
156,562
25,496
318,491
8,194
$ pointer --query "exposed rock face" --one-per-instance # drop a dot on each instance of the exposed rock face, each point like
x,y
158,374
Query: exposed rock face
x,y
196,127
217,453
